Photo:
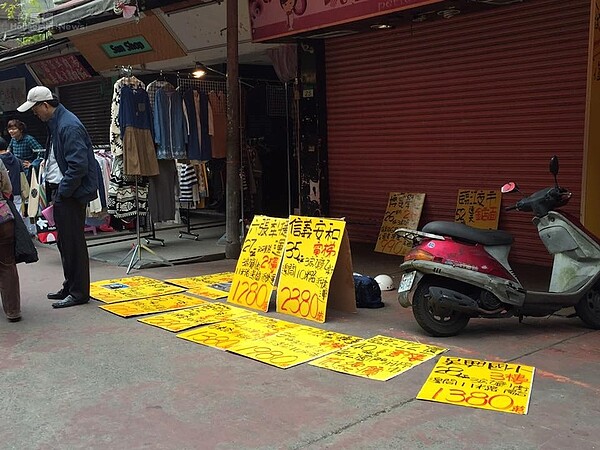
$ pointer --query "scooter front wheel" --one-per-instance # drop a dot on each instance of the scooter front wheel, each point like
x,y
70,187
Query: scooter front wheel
x,y
436,321
588,308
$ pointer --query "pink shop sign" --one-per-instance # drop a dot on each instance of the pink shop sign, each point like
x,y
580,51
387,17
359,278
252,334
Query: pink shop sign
x,y
271,19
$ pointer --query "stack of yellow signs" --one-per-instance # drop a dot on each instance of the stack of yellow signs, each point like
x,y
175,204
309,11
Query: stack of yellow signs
x,y
152,305
496,386
224,335
204,314
212,286
294,346
131,288
379,358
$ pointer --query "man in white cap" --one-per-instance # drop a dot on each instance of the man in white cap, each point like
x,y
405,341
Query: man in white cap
x,y
71,183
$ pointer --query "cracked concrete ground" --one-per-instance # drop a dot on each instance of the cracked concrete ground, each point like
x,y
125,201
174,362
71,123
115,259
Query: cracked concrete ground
x,y
81,378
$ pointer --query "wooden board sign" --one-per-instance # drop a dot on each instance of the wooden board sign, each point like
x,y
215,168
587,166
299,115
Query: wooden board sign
x,y
403,211
478,208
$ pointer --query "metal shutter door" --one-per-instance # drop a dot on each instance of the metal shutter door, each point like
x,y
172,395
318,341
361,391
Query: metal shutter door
x,y
91,103
470,102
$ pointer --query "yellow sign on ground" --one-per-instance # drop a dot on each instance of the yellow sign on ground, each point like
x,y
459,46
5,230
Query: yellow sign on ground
x,y
478,208
403,211
131,288
208,292
258,263
204,314
294,346
203,280
152,305
224,335
379,358
315,248
496,386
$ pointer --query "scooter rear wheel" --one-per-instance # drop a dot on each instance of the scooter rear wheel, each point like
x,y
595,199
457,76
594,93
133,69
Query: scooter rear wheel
x,y
436,321
588,308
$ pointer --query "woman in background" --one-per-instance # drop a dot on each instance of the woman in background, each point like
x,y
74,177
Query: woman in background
x,y
9,277
22,145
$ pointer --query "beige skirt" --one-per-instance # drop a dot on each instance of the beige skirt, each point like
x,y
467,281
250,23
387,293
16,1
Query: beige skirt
x,y
139,153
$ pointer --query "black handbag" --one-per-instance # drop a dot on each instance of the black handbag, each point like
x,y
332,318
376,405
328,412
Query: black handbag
x,y
25,251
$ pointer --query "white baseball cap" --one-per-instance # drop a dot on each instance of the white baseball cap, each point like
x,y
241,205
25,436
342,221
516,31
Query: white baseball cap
x,y
35,95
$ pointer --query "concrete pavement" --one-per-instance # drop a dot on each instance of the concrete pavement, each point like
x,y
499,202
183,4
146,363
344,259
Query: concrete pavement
x,y
81,378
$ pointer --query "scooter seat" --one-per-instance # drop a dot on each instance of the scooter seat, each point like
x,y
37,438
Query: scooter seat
x,y
467,233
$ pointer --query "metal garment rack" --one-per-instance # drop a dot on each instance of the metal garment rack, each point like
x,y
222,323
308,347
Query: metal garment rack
x,y
136,250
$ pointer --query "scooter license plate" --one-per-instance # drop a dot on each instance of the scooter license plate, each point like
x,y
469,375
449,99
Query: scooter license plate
x,y
407,281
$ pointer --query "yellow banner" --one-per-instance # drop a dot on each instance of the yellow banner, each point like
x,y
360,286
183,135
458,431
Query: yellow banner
x,y
258,263
311,252
473,383
403,211
379,358
294,346
131,288
152,305
208,292
478,208
203,280
224,335
204,314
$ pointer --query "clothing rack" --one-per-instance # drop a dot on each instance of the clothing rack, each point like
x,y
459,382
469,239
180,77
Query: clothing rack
x,y
202,85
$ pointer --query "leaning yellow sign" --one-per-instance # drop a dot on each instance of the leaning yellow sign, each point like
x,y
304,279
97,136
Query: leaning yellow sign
x,y
403,211
257,266
152,305
311,252
294,346
378,358
224,335
131,288
496,386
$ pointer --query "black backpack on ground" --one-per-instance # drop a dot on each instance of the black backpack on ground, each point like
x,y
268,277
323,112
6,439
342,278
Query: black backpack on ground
x,y
368,293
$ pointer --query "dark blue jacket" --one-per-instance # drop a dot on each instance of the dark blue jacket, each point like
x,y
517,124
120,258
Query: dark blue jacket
x,y
74,155
14,167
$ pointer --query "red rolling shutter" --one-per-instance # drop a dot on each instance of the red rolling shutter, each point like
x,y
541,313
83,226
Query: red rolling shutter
x,y
469,102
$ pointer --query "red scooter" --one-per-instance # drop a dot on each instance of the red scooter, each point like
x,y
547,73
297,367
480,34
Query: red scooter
x,y
455,272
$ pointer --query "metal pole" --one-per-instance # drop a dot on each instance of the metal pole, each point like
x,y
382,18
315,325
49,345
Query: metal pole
x,y
232,221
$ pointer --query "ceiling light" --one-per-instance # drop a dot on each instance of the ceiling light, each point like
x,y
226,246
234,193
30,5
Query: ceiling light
x,y
199,70
381,26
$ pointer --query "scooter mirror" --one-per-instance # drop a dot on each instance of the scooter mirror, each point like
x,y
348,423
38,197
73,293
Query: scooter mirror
x,y
509,187
554,165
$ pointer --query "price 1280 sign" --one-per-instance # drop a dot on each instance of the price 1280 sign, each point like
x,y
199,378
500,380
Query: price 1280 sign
x,y
256,269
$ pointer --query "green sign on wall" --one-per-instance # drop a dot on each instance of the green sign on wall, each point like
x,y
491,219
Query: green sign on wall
x,y
126,47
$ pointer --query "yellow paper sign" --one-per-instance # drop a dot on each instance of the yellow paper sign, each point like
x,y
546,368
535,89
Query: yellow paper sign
x,y
294,346
152,305
208,292
478,208
204,314
203,280
258,263
403,211
379,358
224,335
131,288
496,386
311,252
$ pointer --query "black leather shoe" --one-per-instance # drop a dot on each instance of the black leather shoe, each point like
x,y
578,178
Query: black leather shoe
x,y
69,300
60,295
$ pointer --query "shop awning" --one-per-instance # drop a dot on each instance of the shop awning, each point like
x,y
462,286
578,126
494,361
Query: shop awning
x,y
14,56
65,14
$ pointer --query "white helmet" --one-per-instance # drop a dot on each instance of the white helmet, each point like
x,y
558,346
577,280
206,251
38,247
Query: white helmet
x,y
385,282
